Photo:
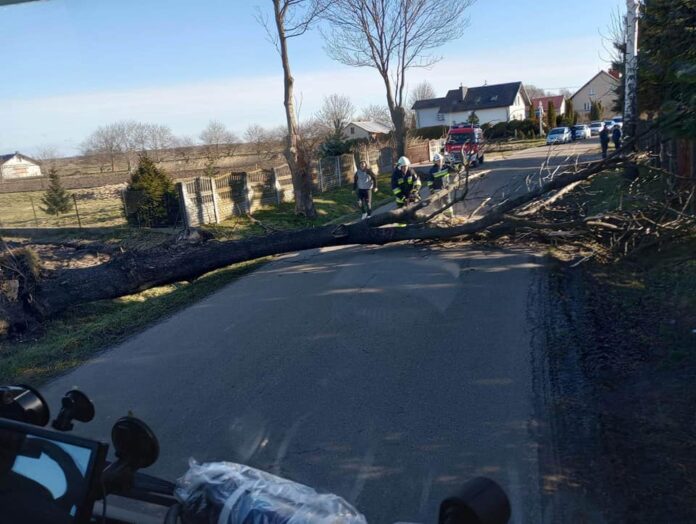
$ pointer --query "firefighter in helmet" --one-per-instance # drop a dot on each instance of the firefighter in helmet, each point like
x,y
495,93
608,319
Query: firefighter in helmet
x,y
405,182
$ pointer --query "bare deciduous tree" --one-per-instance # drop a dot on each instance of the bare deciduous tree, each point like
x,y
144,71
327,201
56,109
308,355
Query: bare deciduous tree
x,y
376,113
335,114
259,137
159,138
565,92
292,18
534,91
46,155
422,91
104,142
217,139
184,146
393,36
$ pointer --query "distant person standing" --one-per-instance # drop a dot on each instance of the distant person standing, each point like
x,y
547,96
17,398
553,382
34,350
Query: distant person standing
x,y
604,140
616,137
364,183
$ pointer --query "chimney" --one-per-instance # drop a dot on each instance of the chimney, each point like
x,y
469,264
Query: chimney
x,y
462,91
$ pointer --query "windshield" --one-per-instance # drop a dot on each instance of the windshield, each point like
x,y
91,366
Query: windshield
x,y
187,235
461,138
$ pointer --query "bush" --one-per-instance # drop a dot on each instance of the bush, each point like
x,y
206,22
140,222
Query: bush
x,y
431,133
515,128
157,202
335,146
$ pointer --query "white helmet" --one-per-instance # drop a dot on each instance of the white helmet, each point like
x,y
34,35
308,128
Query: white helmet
x,y
437,157
403,161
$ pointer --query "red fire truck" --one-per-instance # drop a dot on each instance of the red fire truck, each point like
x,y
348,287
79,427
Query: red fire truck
x,y
467,139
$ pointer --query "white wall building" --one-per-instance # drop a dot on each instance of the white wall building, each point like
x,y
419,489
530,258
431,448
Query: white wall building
x,y
17,165
491,103
361,130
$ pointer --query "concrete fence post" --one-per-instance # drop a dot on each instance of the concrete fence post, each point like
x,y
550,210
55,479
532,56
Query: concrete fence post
x,y
248,193
276,184
216,202
183,200
337,169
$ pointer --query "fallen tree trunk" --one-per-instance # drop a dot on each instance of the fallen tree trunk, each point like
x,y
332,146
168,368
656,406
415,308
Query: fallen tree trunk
x,y
34,298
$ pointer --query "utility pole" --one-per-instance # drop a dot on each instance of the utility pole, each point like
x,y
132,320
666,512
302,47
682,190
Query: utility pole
x,y
630,117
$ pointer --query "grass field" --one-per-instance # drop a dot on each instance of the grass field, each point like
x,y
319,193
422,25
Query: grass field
x,y
96,207
340,203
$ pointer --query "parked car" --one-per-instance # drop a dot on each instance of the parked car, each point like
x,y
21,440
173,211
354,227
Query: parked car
x,y
559,135
595,128
609,124
581,132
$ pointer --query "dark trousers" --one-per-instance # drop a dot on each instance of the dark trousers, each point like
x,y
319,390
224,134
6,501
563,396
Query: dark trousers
x,y
605,147
365,197
617,143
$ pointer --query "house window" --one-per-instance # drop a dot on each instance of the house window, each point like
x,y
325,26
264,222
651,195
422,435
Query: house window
x,y
352,130
587,106
592,91
440,116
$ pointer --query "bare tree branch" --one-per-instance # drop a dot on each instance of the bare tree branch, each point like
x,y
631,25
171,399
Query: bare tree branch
x,y
392,36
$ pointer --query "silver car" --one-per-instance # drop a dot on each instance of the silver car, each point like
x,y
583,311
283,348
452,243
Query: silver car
x,y
581,132
559,135
595,128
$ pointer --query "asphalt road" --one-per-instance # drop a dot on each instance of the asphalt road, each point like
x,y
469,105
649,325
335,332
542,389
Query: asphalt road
x,y
512,172
386,375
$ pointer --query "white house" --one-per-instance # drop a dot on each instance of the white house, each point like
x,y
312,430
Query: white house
x,y
491,103
360,130
17,165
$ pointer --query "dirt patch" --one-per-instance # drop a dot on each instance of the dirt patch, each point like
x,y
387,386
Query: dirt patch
x,y
617,384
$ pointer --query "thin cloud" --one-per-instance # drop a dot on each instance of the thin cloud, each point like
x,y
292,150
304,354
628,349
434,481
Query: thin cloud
x,y
67,119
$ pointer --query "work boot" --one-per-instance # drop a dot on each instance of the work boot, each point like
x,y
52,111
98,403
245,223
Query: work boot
x,y
364,216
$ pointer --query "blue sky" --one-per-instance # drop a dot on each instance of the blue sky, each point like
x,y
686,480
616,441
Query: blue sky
x,y
76,64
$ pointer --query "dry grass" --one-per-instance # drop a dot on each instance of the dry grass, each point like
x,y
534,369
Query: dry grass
x,y
97,207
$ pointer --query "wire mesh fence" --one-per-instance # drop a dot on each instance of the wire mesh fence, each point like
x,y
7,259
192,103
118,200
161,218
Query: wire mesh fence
x,y
94,207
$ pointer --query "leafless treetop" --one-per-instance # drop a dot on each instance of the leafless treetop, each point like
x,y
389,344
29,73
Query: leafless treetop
x,y
336,112
422,91
393,35
298,15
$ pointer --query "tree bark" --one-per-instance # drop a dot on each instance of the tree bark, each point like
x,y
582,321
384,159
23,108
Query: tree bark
x,y
301,178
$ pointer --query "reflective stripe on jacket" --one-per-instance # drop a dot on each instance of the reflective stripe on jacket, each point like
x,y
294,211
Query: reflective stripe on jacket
x,y
404,183
438,178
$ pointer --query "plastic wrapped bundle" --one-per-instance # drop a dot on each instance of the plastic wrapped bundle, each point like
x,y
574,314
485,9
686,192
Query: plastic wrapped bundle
x,y
228,493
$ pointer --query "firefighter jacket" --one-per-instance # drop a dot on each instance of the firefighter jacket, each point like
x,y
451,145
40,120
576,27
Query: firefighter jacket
x,y
438,177
403,184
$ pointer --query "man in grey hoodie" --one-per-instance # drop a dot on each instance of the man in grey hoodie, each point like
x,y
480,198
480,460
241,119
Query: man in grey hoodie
x,y
364,183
